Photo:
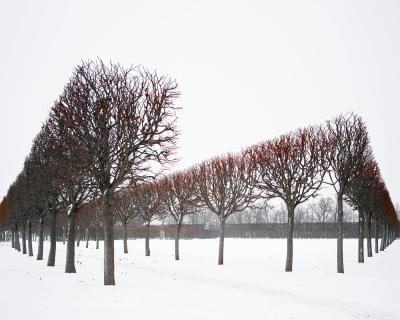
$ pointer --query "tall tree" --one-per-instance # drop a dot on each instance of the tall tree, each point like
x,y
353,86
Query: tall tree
x,y
125,210
291,167
179,197
225,185
347,146
124,120
147,200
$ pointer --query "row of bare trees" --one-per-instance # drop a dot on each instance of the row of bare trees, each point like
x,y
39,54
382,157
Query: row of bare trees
x,y
111,133
111,128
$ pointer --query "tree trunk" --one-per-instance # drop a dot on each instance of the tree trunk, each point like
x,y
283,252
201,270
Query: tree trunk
x,y
360,236
125,239
383,239
147,241
177,236
376,237
30,249
23,237
78,235
17,244
63,236
368,231
340,265
70,258
12,237
289,244
387,238
109,278
97,238
51,261
41,238
87,237
221,240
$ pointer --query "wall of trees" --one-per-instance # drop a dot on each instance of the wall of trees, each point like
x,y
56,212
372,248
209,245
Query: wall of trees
x,y
101,160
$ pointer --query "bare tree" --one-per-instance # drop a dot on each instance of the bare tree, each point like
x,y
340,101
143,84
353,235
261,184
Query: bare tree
x,y
347,146
148,202
124,120
125,210
323,209
178,193
292,168
225,185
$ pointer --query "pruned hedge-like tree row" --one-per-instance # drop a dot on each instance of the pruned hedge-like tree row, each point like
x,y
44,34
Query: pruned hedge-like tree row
x,y
101,154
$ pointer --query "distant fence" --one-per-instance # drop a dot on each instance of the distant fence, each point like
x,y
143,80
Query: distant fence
x,y
270,230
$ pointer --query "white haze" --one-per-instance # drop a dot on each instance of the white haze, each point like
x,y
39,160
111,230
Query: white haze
x,y
248,70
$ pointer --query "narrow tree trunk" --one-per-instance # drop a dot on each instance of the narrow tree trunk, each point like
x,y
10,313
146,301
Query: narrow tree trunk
x,y
109,278
97,238
23,237
289,244
70,258
87,237
147,241
78,235
376,237
221,240
387,242
12,237
17,244
51,261
30,249
41,238
177,236
340,265
360,237
368,231
383,239
63,235
125,238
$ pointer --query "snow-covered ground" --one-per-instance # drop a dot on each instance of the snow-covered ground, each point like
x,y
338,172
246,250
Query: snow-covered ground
x,y
251,284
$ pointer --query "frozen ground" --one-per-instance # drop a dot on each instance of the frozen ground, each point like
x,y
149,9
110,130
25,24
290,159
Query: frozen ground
x,y
251,284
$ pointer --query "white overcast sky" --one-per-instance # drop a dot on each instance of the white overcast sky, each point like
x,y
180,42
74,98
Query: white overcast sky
x,y
248,70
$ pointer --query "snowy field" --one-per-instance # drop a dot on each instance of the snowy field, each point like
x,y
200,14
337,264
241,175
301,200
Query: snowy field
x,y
251,284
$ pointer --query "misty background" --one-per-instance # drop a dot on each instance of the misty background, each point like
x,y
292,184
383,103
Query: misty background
x,y
248,70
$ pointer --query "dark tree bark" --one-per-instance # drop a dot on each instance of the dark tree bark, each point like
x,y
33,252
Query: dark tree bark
x,y
125,238
17,244
97,238
376,236
383,240
387,237
340,265
87,237
147,240
41,239
360,237
78,235
290,230
221,240
12,237
177,236
368,233
30,249
70,258
51,261
64,234
23,237
109,278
